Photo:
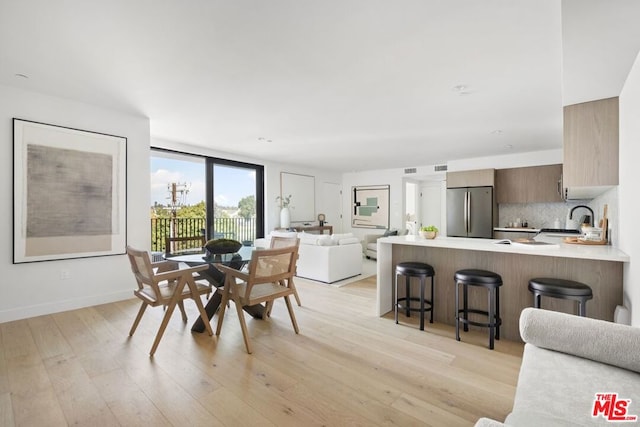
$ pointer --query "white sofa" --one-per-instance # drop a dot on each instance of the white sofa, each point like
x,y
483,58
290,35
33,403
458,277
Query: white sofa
x,y
567,361
322,257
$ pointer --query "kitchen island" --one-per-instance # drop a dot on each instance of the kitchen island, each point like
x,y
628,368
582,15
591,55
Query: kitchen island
x,y
600,267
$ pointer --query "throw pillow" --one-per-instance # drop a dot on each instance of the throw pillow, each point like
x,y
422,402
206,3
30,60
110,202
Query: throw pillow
x,y
348,241
325,240
309,239
390,232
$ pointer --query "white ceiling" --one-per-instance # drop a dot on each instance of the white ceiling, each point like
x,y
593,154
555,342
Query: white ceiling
x,y
334,84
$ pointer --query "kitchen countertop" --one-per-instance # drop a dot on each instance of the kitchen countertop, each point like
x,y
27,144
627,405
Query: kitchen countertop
x,y
564,250
516,229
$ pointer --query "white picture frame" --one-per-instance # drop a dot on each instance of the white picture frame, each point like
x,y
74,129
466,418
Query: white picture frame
x,y
69,193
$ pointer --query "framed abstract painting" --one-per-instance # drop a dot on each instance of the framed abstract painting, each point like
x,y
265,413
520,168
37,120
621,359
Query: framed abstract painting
x,y
370,206
69,193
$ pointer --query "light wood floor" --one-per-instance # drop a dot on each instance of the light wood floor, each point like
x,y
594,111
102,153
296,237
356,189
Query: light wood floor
x,y
347,367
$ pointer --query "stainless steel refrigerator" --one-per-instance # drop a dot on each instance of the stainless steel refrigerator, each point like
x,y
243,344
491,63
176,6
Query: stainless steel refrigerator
x,y
470,212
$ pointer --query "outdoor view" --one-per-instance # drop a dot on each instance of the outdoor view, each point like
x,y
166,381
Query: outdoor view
x,y
178,200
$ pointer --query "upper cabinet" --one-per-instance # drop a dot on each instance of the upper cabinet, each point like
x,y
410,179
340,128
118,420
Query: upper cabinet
x,y
534,184
472,178
590,148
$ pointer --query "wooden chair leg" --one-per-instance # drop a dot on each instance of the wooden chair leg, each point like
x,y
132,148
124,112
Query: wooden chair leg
x,y
163,326
184,313
243,324
143,307
267,310
193,288
203,314
223,307
293,316
292,285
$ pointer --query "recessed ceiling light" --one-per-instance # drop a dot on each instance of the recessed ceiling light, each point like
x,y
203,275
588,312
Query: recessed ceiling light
x,y
22,76
461,89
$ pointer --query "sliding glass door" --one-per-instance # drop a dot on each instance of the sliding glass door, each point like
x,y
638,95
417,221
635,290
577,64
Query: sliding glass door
x,y
235,197
193,195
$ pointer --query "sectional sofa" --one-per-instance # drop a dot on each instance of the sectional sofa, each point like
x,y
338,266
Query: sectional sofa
x,y
322,257
575,371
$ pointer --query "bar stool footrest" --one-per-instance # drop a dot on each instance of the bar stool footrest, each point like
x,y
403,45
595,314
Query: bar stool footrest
x,y
497,322
427,304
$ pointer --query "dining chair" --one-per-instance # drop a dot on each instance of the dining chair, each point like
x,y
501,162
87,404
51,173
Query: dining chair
x,y
181,245
175,246
283,242
268,278
165,283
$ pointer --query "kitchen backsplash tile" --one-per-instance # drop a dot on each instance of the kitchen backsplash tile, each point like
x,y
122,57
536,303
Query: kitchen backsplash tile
x,y
537,215
543,215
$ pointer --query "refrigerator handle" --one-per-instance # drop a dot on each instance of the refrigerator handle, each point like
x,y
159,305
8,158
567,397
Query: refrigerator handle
x,y
466,211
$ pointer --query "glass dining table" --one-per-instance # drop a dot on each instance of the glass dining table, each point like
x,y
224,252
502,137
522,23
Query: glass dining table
x,y
235,260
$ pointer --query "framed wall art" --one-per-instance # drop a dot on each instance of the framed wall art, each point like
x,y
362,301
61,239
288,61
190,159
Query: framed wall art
x,y
370,206
69,191
301,188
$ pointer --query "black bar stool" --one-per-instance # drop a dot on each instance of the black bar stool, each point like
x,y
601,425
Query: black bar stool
x,y
485,279
563,289
409,270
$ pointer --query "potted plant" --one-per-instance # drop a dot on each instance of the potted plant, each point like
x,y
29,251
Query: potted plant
x,y
429,231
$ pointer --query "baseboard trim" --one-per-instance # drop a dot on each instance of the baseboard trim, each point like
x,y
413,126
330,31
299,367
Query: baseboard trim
x,y
26,312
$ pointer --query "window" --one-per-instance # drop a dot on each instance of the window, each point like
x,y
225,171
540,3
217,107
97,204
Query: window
x,y
193,195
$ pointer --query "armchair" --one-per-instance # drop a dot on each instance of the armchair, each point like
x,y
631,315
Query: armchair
x,y
370,244
167,284
269,277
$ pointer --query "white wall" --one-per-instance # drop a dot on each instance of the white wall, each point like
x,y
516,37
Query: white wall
x,y
271,176
32,289
629,200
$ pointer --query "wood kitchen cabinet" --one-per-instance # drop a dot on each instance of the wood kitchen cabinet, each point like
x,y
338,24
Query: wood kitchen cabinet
x,y
472,178
591,144
534,184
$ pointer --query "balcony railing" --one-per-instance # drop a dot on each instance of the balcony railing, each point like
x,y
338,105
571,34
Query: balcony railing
x,y
239,229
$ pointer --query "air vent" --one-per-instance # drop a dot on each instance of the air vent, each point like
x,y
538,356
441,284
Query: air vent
x,y
440,168
410,170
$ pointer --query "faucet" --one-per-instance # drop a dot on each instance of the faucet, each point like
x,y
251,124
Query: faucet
x,y
582,206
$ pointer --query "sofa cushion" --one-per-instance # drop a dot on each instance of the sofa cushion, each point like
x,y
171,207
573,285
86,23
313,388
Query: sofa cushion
x,y
559,389
372,246
348,241
282,233
339,236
